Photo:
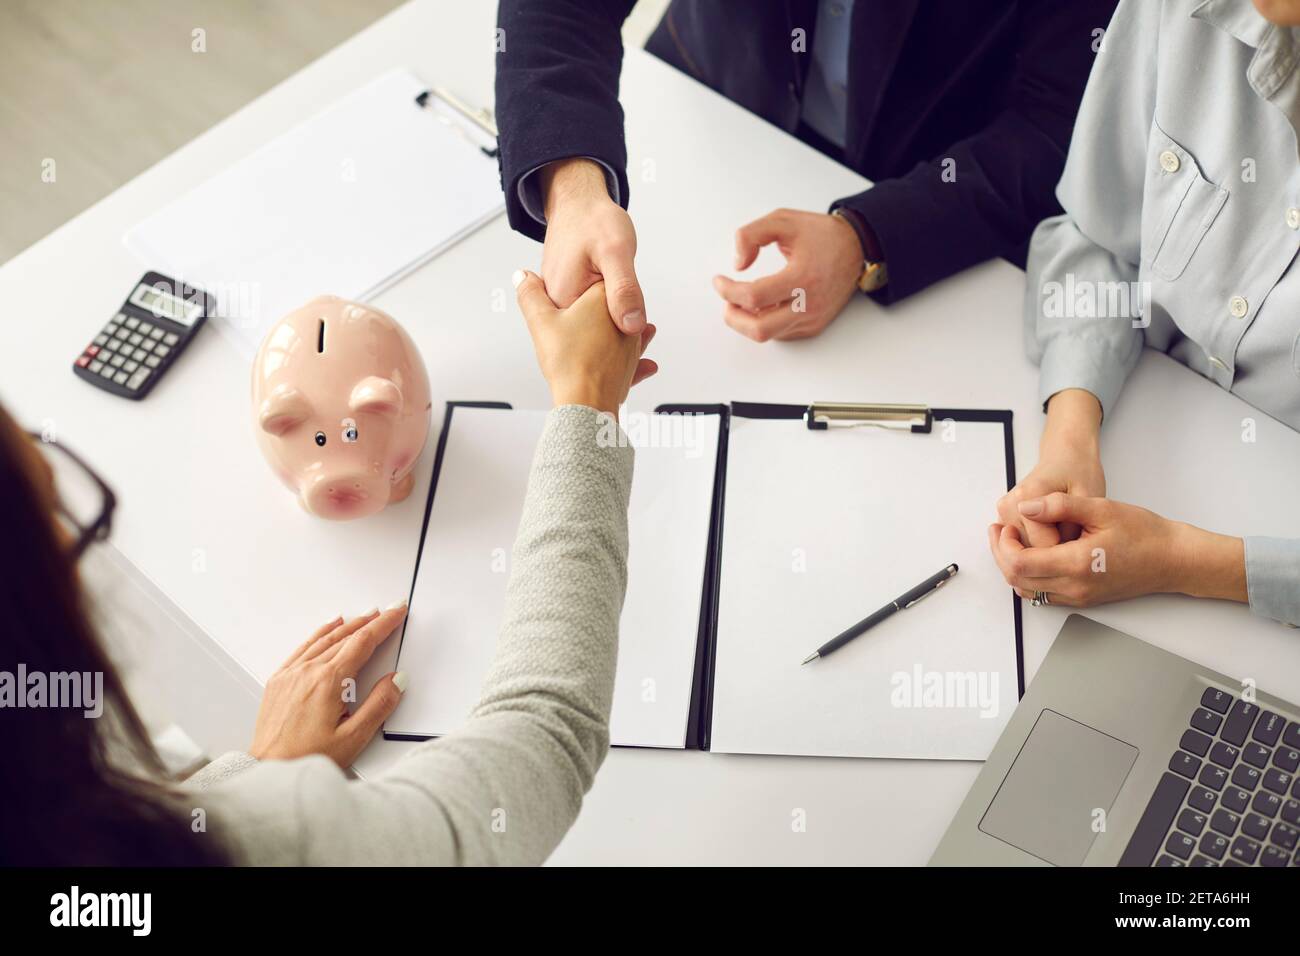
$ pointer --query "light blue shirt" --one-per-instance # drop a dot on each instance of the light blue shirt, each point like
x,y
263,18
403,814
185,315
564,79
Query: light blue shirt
x,y
826,89
1182,198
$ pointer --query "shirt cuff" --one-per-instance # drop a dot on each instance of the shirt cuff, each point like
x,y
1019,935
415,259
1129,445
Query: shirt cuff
x,y
530,190
1273,578
1081,361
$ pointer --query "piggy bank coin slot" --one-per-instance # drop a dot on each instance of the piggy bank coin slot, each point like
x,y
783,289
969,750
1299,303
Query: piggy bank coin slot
x,y
320,336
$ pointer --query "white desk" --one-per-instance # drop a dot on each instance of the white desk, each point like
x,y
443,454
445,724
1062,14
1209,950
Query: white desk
x,y
203,520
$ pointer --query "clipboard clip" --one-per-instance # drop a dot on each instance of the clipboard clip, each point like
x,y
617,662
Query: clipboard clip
x,y
823,415
485,134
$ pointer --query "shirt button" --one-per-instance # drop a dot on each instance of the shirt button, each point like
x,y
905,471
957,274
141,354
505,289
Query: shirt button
x,y
1293,217
1238,307
1169,161
1218,363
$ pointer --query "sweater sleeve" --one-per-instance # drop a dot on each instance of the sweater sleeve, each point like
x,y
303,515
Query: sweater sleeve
x,y
506,786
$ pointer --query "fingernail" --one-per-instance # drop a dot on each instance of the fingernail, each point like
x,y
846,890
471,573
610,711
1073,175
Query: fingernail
x,y
400,681
738,262
1031,508
396,604
633,321
371,613
517,278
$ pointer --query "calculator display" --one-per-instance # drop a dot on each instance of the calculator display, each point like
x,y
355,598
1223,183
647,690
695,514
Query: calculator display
x,y
164,304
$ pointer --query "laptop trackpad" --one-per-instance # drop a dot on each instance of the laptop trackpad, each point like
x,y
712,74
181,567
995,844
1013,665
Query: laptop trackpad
x,y
1047,804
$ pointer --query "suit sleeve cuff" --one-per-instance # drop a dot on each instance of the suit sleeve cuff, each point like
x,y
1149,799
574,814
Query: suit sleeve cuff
x,y
1273,578
906,223
530,188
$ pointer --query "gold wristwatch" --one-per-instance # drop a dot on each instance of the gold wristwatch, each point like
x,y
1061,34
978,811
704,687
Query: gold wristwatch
x,y
874,273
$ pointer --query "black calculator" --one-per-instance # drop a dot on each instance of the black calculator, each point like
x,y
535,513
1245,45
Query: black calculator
x,y
140,343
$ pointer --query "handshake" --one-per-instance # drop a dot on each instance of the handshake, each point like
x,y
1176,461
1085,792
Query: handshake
x,y
588,279
590,238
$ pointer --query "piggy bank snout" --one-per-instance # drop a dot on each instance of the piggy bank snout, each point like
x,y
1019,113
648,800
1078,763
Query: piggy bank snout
x,y
345,495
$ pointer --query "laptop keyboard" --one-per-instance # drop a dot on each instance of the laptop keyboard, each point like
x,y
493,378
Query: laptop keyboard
x,y
1231,796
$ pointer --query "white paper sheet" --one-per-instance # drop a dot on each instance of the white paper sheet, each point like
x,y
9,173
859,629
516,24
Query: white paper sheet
x,y
459,595
345,203
822,528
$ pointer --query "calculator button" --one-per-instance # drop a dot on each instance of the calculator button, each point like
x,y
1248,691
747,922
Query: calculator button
x,y
137,379
136,338
138,355
96,366
107,371
132,322
117,360
161,351
121,333
101,339
83,360
157,333
111,328
145,328
130,366
171,338
92,350
120,378
151,361
110,345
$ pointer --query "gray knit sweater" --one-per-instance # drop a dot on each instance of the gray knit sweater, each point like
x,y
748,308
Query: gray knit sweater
x,y
508,784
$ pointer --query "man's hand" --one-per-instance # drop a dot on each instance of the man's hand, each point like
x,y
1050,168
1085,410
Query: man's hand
x,y
1069,460
1123,551
589,239
585,359
823,261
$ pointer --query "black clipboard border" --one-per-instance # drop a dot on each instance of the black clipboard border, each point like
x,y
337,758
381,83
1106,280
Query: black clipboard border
x,y
424,527
699,719
776,411
700,715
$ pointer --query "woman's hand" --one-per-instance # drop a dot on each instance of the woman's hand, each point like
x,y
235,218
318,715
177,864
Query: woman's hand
x,y
1123,551
823,258
585,358
305,706
1069,461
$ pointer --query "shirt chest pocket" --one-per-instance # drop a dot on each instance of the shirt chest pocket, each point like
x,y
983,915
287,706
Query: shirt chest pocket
x,y
1178,206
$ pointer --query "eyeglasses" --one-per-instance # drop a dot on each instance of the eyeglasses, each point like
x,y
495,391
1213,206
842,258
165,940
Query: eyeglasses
x,y
83,502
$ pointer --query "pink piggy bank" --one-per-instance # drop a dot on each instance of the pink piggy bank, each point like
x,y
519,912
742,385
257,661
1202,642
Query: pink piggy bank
x,y
341,407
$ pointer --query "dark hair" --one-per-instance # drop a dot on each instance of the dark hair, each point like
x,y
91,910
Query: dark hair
x,y
76,791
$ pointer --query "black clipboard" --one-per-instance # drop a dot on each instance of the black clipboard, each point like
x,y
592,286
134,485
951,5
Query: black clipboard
x,y
818,416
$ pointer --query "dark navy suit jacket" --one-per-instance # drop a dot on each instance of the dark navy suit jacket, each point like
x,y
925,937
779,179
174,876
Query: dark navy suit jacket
x,y
992,85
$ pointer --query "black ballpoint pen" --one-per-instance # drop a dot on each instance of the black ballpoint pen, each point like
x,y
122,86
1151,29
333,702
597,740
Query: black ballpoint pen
x,y
901,603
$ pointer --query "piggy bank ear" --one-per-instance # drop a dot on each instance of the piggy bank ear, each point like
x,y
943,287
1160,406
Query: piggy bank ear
x,y
282,410
376,395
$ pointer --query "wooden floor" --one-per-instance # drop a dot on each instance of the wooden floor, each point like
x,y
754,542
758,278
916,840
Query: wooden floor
x,y
96,91
93,92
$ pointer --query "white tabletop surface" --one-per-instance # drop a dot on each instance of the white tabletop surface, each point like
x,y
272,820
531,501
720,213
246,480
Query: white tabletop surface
x,y
201,517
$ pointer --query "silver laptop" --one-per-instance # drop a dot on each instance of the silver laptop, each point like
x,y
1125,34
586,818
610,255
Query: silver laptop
x,y
1123,754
